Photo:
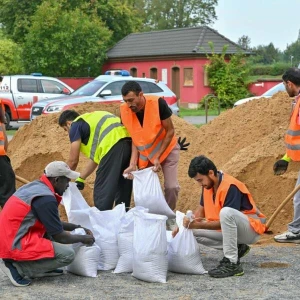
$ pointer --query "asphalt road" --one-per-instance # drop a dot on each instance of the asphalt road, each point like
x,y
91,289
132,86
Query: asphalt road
x,y
271,272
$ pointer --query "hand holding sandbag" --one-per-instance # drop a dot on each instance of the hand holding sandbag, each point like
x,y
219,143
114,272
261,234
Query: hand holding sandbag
x,y
80,183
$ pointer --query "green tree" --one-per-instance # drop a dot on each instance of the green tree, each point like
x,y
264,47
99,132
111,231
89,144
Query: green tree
x,y
15,16
244,41
170,14
65,42
10,57
292,53
266,54
228,76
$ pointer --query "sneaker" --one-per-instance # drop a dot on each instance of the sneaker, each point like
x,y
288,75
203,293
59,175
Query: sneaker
x,y
288,237
226,269
243,250
12,273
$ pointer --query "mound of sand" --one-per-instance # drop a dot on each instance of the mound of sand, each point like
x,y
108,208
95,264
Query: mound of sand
x,y
244,141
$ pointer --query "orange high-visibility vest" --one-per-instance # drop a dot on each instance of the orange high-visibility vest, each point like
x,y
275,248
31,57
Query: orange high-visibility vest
x,y
2,135
212,208
292,136
147,138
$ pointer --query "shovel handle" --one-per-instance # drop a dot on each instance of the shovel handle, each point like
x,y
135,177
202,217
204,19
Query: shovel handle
x,y
284,202
23,180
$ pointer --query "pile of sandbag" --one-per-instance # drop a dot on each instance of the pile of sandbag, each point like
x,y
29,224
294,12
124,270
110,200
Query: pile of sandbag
x,y
135,242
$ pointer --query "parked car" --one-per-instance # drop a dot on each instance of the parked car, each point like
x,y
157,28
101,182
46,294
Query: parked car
x,y
268,94
19,92
104,89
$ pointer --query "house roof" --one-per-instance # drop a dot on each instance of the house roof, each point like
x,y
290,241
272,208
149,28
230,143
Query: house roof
x,y
182,41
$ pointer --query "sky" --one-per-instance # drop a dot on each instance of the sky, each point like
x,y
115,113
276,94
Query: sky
x,y
264,21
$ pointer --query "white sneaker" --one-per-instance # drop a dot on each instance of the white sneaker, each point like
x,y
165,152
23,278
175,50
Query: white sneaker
x,y
288,237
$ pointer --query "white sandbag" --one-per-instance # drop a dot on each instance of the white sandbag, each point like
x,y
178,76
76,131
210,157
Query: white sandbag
x,y
125,241
150,260
106,226
86,258
183,251
148,193
77,209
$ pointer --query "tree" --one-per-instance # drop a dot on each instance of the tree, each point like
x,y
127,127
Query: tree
x,y
65,42
228,76
244,41
118,15
10,58
292,53
15,16
266,54
170,14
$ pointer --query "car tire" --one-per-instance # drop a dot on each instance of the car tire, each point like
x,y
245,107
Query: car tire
x,y
7,125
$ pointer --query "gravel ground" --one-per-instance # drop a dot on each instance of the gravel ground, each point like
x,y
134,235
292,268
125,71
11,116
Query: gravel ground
x,y
271,272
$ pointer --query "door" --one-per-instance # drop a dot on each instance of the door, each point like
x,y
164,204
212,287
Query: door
x,y
153,73
26,93
176,81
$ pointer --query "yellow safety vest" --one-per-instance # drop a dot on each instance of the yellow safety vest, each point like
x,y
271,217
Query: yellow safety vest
x,y
105,131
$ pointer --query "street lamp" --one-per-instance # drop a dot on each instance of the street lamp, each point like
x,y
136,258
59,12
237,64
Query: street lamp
x,y
292,60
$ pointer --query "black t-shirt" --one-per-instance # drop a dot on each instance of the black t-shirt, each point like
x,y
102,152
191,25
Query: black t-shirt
x,y
45,209
234,198
80,130
165,111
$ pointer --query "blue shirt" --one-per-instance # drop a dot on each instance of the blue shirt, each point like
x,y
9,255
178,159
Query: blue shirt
x,y
45,209
80,130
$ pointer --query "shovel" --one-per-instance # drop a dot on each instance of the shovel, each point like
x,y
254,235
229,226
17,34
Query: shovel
x,y
284,202
22,179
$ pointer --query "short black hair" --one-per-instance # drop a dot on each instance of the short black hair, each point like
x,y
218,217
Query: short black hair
x,y
131,86
292,75
67,115
202,165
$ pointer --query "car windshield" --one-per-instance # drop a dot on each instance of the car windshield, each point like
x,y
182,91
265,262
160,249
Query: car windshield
x,y
275,89
89,89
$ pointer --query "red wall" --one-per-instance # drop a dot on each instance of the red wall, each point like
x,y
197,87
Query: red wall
x,y
75,83
258,88
188,94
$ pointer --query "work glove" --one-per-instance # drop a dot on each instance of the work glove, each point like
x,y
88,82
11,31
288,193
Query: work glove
x,y
182,144
80,183
280,166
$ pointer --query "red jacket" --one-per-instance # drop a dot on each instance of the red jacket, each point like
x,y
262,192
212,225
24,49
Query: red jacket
x,y
21,234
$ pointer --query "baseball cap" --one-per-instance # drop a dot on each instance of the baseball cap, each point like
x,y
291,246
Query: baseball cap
x,y
60,168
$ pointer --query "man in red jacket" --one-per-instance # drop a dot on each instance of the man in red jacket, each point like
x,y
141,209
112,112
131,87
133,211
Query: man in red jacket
x,y
29,214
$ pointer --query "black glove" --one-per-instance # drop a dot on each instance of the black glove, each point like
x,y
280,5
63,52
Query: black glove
x,y
182,144
280,167
80,183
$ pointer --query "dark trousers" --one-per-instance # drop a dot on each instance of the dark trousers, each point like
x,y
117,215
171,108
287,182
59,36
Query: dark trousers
x,y
110,185
7,179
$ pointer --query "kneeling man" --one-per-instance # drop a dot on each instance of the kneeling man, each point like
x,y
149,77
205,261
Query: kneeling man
x,y
227,217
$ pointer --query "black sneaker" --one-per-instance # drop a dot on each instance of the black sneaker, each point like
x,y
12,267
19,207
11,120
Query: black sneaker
x,y
243,250
13,274
226,269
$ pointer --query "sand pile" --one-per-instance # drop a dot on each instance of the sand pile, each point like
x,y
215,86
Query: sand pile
x,y
244,141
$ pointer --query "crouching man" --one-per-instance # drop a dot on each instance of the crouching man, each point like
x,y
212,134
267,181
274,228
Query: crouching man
x,y
29,214
227,217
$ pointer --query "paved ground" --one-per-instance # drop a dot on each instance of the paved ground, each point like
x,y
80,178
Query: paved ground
x,y
271,272
198,119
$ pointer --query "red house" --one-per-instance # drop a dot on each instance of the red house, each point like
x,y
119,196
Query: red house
x,y
176,56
